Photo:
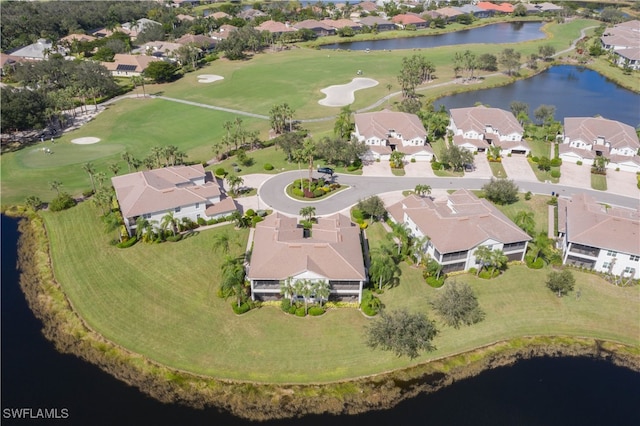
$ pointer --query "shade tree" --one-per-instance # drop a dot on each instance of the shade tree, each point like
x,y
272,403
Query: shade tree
x,y
501,191
560,283
458,305
404,333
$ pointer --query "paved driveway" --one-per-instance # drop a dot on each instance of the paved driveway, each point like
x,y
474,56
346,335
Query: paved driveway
x,y
623,183
518,168
574,175
418,169
482,169
377,169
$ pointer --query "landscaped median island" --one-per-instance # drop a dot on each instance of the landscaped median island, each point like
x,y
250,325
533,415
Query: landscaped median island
x,y
163,328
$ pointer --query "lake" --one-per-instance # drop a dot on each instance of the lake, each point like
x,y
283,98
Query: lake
x,y
574,91
544,391
504,32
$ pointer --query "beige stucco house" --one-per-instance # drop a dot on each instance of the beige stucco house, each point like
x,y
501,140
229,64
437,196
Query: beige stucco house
x,y
330,251
187,191
457,225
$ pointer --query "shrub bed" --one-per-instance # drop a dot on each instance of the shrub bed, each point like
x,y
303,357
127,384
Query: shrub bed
x,y
127,243
239,310
315,311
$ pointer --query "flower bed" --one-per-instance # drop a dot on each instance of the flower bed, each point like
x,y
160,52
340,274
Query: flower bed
x,y
300,188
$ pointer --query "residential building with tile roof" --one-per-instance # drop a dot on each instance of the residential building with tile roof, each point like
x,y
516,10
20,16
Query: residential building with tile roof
x,y
403,20
320,28
125,65
502,7
595,236
585,138
330,251
223,32
380,23
477,128
456,225
343,23
202,41
386,131
624,41
37,51
275,27
187,191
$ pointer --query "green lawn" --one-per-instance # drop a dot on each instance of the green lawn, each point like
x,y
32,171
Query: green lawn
x,y
599,182
168,310
537,204
497,169
294,76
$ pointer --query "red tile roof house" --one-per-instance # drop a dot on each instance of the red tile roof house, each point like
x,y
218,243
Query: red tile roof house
x,y
386,131
623,41
587,137
477,128
332,252
187,191
320,28
124,65
275,27
605,239
457,225
502,7
223,32
408,19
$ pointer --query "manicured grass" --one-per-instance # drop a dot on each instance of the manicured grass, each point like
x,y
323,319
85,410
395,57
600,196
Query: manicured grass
x,y
599,182
398,172
497,169
168,310
447,173
543,175
537,204
294,76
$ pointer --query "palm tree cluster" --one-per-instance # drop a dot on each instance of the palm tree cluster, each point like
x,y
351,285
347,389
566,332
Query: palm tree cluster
x,y
309,290
492,260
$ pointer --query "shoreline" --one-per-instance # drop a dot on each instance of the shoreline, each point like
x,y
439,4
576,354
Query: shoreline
x,y
261,401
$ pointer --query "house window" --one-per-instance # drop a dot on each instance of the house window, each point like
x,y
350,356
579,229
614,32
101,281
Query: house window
x,y
177,209
606,265
197,205
611,253
146,216
628,270
634,258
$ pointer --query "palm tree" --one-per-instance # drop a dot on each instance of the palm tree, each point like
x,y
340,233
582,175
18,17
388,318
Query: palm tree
x,y
308,212
115,168
483,257
102,199
497,260
322,290
113,221
306,291
100,178
156,153
221,243
128,158
233,279
144,229
55,186
422,190
286,288
89,168
383,269
234,182
169,220
417,247
389,87
525,220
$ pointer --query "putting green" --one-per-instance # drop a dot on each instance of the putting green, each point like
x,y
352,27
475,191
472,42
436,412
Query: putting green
x,y
65,154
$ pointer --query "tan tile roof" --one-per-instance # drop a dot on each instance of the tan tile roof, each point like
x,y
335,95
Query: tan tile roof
x,y
162,189
342,23
589,223
588,129
564,148
333,250
198,39
461,140
408,19
275,27
479,117
313,24
625,35
141,62
225,206
76,37
461,222
378,124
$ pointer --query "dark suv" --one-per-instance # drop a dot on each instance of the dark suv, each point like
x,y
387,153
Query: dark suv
x,y
326,170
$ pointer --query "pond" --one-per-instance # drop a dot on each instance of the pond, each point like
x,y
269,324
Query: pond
x,y
543,391
574,91
504,32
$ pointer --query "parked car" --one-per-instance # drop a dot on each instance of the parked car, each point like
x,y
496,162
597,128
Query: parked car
x,y
326,170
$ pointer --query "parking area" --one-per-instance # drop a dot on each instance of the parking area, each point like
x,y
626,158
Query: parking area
x,y
418,169
575,175
481,165
377,169
518,168
623,183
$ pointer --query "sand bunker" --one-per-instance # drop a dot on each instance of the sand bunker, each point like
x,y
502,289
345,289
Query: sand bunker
x,y
85,141
209,78
343,94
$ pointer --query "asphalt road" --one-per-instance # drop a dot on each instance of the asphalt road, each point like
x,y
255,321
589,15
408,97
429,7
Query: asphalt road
x,y
272,191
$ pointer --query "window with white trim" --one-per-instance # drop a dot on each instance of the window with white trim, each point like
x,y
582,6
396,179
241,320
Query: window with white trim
x,y
606,265
634,258
611,253
628,270
177,209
